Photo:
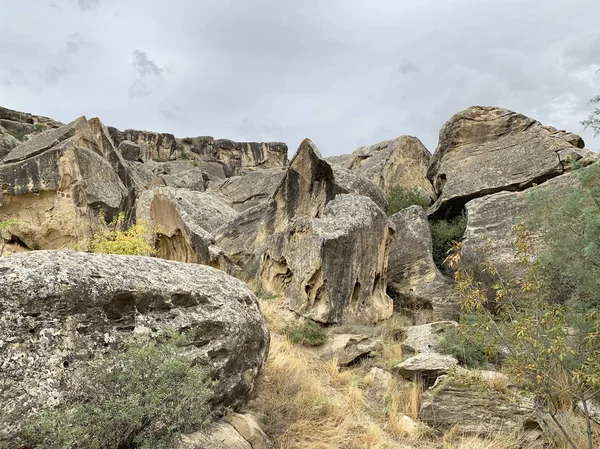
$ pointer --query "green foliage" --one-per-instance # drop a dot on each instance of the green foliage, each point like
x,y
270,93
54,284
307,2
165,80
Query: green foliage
x,y
306,333
115,238
444,235
569,225
466,345
18,134
401,197
188,140
40,127
140,397
5,235
593,120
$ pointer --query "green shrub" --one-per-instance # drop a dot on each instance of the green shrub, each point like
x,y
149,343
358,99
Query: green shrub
x,y
401,197
465,346
444,235
187,140
306,333
5,235
140,397
114,238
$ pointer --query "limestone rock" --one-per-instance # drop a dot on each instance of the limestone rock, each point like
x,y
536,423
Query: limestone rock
x,y
153,145
54,191
60,308
7,143
186,221
252,188
347,181
413,279
333,268
379,380
400,161
347,349
490,221
473,405
194,179
246,425
427,367
483,150
24,117
219,435
424,338
593,410
131,151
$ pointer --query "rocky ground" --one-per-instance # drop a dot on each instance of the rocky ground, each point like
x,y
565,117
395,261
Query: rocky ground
x,y
313,239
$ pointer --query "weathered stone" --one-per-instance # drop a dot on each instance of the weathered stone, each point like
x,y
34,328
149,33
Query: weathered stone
x,y
252,188
55,192
333,268
426,367
186,221
347,181
475,405
413,280
7,143
425,337
484,150
219,435
61,308
593,410
130,151
24,117
194,179
246,425
379,380
347,349
153,145
401,161
490,221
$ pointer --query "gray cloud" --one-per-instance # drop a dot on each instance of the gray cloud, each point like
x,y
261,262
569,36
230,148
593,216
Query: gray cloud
x,y
342,72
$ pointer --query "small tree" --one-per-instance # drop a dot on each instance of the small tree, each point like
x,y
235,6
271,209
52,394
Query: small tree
x,y
114,238
140,397
593,120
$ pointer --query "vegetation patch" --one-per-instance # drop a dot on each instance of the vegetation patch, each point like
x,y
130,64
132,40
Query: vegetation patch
x,y
401,197
115,237
140,397
306,333
445,233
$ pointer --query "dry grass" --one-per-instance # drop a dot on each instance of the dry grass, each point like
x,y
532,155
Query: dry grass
x,y
12,248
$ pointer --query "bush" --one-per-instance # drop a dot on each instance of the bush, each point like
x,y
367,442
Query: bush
x,y
444,235
187,140
306,333
465,346
401,197
114,238
4,234
138,398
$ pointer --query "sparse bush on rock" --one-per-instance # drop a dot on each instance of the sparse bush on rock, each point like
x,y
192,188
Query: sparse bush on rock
x,y
401,197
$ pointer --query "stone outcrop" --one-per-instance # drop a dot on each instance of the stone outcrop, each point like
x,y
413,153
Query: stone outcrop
x,y
414,281
484,150
333,268
218,435
60,308
245,424
249,190
55,182
482,405
347,181
426,367
490,221
347,349
400,161
425,337
185,222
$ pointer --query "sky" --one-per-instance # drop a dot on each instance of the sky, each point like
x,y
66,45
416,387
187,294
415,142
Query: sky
x,y
345,73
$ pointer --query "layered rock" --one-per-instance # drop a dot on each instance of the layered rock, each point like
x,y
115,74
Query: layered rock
x,y
185,221
60,309
483,150
333,268
425,337
55,182
425,367
347,349
482,404
401,161
413,279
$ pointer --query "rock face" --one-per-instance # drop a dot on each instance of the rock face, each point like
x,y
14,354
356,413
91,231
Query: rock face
x,y
426,367
476,406
424,338
54,182
333,268
413,279
347,181
59,309
185,221
483,150
490,221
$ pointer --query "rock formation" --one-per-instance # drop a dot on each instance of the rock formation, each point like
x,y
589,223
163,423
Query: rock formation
x,y
483,150
61,308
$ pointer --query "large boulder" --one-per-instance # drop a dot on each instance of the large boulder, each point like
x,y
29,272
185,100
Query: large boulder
x,y
347,181
413,280
347,349
482,404
401,161
425,367
483,150
185,222
61,308
425,337
490,220
333,268
248,190
7,143
55,182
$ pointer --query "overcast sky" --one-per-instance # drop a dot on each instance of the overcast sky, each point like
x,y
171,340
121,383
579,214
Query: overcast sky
x,y
344,73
